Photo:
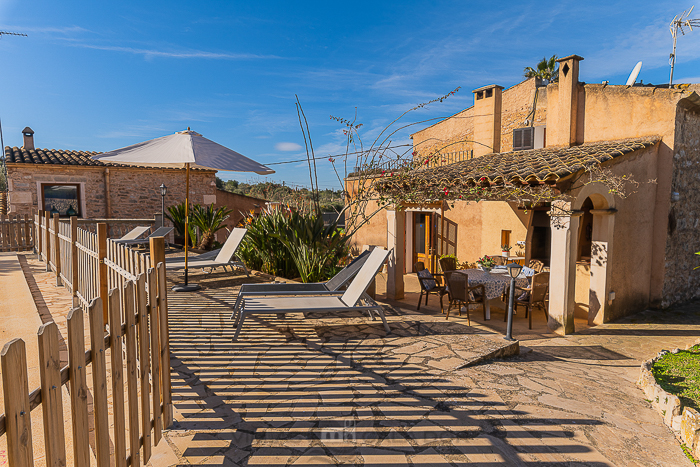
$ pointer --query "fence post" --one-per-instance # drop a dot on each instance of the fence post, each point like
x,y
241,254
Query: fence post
x,y
99,381
78,388
37,234
102,276
157,246
74,258
51,395
18,419
47,239
57,249
27,233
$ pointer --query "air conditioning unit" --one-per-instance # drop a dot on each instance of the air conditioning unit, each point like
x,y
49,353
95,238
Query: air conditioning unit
x,y
531,137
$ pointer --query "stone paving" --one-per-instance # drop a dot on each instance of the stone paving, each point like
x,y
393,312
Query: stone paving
x,y
330,390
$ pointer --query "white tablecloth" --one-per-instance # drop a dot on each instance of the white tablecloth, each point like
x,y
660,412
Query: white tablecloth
x,y
494,282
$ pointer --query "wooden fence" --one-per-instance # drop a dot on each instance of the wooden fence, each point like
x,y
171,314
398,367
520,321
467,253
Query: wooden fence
x,y
125,299
16,234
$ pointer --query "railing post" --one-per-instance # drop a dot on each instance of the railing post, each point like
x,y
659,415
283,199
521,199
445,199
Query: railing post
x,y
37,233
27,233
102,276
47,240
74,258
157,246
57,249
18,419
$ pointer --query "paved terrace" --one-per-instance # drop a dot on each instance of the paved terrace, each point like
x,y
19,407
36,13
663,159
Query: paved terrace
x,y
329,390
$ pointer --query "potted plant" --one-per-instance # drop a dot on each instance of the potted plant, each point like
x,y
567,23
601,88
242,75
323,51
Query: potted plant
x,y
486,263
505,250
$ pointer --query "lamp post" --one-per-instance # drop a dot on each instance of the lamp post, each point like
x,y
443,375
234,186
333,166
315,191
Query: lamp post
x,y
163,192
513,271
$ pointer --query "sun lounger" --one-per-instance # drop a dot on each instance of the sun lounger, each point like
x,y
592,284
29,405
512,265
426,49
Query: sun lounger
x,y
223,258
333,285
159,232
134,233
353,299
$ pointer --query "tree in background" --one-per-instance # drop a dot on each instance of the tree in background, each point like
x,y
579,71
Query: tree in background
x,y
546,70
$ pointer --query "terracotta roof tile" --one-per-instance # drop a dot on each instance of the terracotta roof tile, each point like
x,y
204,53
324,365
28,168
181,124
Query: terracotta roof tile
x,y
57,157
532,166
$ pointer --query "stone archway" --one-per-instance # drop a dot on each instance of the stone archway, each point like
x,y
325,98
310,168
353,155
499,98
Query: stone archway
x,y
565,248
603,219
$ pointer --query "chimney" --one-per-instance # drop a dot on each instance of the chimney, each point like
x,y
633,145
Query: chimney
x,y
28,135
487,119
567,107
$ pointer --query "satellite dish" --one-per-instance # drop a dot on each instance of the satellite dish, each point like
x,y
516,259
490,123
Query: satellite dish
x,y
633,76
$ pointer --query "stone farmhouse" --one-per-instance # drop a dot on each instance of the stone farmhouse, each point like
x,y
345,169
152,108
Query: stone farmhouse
x,y
72,183
609,256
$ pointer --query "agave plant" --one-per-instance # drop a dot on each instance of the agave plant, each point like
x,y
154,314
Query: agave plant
x,y
209,221
315,249
293,244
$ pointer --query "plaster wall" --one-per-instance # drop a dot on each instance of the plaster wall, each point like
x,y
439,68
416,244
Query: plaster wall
x,y
630,259
240,204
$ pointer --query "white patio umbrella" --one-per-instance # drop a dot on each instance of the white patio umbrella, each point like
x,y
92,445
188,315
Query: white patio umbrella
x,y
184,149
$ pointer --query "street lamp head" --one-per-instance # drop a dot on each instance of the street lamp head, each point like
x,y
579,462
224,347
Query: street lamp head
x,y
514,270
163,189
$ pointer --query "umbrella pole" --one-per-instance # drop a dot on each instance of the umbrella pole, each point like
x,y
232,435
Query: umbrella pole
x,y
187,287
187,215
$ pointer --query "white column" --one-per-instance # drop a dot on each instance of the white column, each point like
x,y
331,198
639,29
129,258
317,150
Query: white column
x,y
396,227
562,277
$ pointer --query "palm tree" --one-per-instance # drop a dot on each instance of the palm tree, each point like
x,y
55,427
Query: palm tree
x,y
209,221
546,70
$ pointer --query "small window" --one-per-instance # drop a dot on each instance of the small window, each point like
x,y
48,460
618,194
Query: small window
x,y
479,95
489,92
61,198
505,237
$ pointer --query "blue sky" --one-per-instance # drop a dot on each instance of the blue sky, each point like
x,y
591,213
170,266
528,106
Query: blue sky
x,y
92,76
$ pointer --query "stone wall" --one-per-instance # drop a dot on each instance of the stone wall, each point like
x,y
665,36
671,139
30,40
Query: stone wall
x,y
456,132
133,192
681,281
517,105
240,204
453,134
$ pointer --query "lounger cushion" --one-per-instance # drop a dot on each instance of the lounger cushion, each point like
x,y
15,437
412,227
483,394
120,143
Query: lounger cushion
x,y
300,304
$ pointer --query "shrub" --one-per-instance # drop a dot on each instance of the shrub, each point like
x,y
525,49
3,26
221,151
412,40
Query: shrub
x,y
293,244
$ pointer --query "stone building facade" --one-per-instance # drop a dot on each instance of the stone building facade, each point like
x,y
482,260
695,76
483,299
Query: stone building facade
x,y
610,256
102,190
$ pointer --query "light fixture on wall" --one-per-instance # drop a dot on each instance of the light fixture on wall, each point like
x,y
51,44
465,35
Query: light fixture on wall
x,y
163,192
513,271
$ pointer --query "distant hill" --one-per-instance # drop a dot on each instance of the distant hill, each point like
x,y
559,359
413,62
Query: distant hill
x,y
330,200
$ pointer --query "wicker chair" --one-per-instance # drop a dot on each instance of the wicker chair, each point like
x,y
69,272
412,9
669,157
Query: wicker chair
x,y
460,294
500,260
533,296
429,284
536,265
448,263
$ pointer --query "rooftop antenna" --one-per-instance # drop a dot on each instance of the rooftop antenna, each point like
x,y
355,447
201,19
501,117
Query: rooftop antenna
x,y
7,33
677,24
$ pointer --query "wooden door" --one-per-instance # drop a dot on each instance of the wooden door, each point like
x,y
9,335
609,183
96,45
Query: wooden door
x,y
422,238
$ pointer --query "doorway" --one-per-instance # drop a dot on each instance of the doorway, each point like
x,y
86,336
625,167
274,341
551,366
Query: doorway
x,y
422,238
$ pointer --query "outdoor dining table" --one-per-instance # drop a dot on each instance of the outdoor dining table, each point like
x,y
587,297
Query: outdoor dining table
x,y
495,282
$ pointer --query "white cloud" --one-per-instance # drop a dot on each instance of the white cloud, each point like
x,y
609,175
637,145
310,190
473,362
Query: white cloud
x,y
150,53
287,146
